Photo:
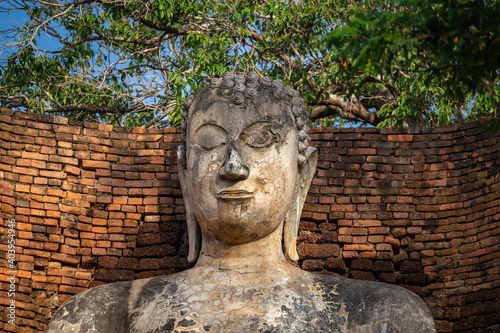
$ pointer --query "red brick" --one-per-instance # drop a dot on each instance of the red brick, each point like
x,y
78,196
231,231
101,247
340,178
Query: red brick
x,y
99,230
358,247
25,171
414,230
103,244
98,251
120,200
92,165
362,264
136,201
52,174
361,275
151,152
34,156
154,209
70,289
72,170
137,192
400,137
359,239
367,223
149,137
353,231
120,191
65,258
318,250
128,208
66,129
383,247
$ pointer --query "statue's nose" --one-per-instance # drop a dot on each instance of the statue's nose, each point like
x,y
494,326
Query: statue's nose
x,y
233,167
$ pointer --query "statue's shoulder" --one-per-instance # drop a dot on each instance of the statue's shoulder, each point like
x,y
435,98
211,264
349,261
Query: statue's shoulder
x,y
89,310
104,308
377,307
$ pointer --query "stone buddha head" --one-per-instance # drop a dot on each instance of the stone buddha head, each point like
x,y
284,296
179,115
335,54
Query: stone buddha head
x,y
245,165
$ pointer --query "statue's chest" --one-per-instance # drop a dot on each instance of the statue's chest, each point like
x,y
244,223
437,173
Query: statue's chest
x,y
212,308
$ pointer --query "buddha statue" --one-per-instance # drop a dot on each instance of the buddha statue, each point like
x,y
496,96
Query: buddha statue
x,y
245,167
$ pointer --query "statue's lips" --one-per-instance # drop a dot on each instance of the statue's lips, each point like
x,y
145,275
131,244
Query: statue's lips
x,y
235,194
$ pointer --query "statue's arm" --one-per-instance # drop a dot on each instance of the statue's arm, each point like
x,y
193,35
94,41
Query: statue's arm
x,y
374,307
413,315
394,309
101,309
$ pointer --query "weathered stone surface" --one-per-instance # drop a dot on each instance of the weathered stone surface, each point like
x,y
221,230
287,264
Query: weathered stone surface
x,y
186,302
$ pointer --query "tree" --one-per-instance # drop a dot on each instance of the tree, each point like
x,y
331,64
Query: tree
x,y
437,61
132,62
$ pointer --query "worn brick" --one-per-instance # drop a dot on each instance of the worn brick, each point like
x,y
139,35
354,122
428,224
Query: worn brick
x,y
318,250
91,165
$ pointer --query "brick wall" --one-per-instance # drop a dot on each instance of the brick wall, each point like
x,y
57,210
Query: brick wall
x,y
95,204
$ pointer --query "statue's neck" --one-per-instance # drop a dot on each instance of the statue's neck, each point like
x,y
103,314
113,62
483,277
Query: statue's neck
x,y
260,259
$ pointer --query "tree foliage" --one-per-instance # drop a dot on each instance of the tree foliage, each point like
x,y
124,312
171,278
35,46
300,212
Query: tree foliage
x,y
129,62
438,61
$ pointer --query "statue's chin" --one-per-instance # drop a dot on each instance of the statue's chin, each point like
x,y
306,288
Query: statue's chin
x,y
233,231
235,226
239,220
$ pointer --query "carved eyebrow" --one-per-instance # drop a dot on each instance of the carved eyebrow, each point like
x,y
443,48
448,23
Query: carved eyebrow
x,y
265,122
209,124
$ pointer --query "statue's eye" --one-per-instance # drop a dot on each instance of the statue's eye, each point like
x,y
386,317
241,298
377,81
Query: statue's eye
x,y
258,135
210,136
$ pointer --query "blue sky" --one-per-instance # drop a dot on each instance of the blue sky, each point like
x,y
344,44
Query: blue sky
x,y
7,20
16,18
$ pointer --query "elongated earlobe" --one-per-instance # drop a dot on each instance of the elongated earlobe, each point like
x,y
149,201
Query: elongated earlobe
x,y
291,229
192,224
193,234
292,220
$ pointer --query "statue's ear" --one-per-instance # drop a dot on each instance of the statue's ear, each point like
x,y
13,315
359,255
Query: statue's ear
x,y
292,220
192,224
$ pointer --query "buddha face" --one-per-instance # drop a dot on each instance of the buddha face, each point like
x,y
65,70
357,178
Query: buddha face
x,y
241,169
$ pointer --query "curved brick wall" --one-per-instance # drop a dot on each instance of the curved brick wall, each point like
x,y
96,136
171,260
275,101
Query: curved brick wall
x,y
96,203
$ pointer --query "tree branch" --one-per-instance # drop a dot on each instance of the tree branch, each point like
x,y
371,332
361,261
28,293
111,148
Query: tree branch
x,y
87,108
170,106
348,110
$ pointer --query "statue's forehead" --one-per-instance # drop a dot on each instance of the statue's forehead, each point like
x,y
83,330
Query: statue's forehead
x,y
234,118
